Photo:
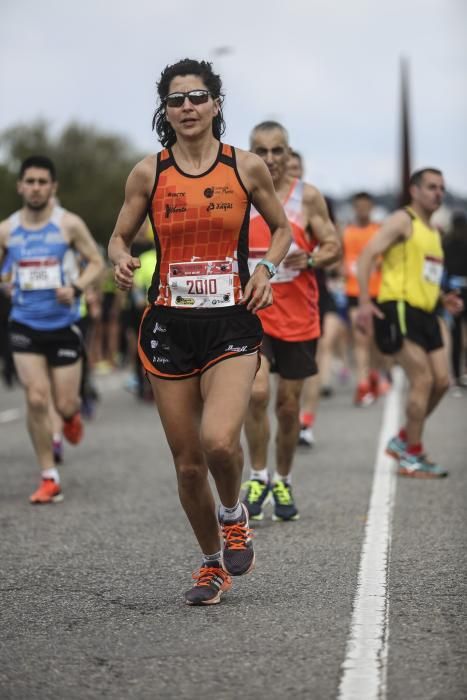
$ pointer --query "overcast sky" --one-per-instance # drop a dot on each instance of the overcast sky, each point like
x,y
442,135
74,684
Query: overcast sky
x,y
327,69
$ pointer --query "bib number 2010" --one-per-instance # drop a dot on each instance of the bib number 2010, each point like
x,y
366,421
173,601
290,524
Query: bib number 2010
x,y
202,286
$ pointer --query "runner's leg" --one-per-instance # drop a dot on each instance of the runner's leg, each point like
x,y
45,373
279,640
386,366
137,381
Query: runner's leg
x,y
33,374
66,382
180,408
361,349
414,361
288,428
257,429
438,361
333,328
226,390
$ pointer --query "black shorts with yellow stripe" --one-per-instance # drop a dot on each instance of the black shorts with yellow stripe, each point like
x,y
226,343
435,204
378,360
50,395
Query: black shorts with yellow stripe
x,y
290,359
401,320
183,343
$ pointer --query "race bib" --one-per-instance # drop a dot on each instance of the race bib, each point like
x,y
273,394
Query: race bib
x,y
286,274
39,273
283,274
201,284
432,269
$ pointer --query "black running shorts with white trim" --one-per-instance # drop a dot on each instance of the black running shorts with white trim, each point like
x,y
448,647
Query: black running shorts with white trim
x,y
182,343
295,360
60,347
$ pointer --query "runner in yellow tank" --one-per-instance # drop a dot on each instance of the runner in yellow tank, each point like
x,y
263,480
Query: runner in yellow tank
x,y
405,321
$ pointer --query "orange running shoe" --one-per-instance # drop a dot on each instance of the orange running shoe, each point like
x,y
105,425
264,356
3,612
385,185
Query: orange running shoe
x,y
73,429
48,492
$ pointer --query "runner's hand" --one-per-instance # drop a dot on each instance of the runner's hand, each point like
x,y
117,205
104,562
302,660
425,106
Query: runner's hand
x,y
258,291
364,319
123,271
297,260
453,303
65,295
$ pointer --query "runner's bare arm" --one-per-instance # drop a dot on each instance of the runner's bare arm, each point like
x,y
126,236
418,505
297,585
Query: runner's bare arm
x,y
397,227
317,221
5,276
129,221
84,243
255,175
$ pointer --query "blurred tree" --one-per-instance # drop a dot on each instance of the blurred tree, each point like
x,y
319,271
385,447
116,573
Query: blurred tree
x,y
92,168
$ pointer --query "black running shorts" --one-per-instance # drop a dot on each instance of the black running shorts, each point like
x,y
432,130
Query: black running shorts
x,y
290,360
60,347
401,320
182,343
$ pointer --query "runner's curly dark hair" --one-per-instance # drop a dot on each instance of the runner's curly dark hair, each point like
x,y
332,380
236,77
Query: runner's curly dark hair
x,y
211,80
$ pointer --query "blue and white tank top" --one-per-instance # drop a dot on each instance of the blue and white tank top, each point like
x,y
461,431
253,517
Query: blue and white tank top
x,y
41,260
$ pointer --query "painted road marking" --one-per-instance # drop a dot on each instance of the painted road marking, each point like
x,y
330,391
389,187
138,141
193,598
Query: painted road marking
x,y
365,666
10,415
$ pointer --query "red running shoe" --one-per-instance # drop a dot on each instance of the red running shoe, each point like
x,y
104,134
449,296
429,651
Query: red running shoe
x,y
48,492
363,395
73,429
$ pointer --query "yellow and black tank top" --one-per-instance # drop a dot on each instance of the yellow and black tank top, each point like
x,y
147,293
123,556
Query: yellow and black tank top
x,y
200,225
412,269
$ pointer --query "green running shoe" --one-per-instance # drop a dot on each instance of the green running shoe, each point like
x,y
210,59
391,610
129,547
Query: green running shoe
x,y
284,505
258,493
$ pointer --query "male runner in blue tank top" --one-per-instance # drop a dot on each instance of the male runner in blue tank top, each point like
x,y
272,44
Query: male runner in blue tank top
x,y
38,245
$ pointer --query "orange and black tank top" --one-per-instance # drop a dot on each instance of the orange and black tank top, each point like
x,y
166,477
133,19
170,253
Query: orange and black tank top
x,y
200,225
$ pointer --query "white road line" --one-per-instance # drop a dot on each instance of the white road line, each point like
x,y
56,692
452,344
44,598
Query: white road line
x,y
10,415
365,666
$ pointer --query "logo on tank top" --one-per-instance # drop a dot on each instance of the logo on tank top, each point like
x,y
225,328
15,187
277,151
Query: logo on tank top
x,y
219,206
211,191
169,210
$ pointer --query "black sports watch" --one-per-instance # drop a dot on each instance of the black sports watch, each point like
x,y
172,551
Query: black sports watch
x,y
77,291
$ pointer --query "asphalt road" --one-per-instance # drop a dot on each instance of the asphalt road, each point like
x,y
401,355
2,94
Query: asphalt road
x,y
92,589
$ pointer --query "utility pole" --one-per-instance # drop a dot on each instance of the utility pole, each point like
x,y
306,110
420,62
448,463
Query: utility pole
x,y
405,140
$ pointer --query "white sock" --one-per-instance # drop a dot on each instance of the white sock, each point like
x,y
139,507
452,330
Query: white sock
x,y
260,474
279,477
229,514
51,474
57,437
210,558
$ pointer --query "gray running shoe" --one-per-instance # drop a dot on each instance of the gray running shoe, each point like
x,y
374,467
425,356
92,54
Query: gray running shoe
x,y
211,582
419,467
239,555
396,447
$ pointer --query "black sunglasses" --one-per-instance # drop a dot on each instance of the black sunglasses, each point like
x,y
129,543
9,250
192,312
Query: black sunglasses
x,y
196,97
